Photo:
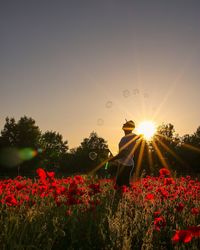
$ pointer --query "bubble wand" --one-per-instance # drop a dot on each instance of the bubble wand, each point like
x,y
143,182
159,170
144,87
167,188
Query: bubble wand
x,y
107,163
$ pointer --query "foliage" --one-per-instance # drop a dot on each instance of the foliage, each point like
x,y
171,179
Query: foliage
x,y
53,148
82,212
24,133
16,136
90,153
49,149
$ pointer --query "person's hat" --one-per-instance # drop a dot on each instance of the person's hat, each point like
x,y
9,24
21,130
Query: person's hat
x,y
129,125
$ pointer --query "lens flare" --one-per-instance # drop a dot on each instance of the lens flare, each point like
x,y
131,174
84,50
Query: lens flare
x,y
27,154
147,129
11,157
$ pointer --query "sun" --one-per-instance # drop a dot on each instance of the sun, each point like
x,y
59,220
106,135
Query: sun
x,y
147,129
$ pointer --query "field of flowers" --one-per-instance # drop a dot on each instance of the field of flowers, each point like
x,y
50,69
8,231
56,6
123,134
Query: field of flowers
x,y
84,212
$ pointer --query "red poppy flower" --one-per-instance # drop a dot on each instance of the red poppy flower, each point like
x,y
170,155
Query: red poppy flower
x,y
159,223
156,214
180,207
41,173
149,197
184,236
195,210
164,171
169,181
51,175
10,200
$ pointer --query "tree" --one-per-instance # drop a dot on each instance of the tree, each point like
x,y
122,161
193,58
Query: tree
x,y
15,138
89,154
190,151
24,133
53,148
9,133
167,141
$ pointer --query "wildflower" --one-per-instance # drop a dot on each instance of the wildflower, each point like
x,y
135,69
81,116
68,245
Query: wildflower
x,y
41,173
180,207
10,200
184,236
156,214
69,212
159,223
164,171
195,210
95,188
51,175
79,179
169,181
124,189
149,197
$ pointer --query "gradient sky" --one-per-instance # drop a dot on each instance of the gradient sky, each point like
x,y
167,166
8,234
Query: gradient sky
x,y
82,66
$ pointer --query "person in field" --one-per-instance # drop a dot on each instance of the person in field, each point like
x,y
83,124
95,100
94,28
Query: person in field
x,y
124,160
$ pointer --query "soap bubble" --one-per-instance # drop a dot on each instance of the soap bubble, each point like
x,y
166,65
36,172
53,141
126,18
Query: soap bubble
x,y
100,122
109,104
146,95
136,91
93,155
126,93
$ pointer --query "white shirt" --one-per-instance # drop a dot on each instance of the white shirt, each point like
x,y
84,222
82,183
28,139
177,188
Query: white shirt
x,y
130,142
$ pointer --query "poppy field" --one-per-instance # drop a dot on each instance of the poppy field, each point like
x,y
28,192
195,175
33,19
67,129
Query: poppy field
x,y
85,212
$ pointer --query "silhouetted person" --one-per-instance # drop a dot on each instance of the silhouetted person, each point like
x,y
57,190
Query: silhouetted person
x,y
124,159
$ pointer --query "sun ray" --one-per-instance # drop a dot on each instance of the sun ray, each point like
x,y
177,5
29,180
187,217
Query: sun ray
x,y
186,145
104,162
160,156
150,158
191,147
139,162
164,136
172,87
171,152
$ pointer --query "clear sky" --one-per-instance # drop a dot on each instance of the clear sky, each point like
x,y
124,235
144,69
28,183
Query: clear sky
x,y
82,66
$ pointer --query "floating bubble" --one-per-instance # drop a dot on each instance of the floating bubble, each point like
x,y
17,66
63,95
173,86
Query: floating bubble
x,y
136,91
10,157
93,155
126,93
109,104
146,95
100,122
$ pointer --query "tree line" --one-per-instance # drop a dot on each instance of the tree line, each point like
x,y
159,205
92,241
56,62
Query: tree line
x,y
24,148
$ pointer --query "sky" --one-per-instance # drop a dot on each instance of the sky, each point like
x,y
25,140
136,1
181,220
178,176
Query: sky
x,y
82,66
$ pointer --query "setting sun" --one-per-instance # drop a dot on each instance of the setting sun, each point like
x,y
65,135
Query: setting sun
x,y
147,129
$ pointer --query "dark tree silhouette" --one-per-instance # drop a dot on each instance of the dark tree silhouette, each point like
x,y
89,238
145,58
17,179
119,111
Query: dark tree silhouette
x,y
20,135
89,154
189,150
182,154
9,133
167,140
53,149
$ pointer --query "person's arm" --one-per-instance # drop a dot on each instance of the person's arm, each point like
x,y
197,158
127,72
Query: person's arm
x,y
121,154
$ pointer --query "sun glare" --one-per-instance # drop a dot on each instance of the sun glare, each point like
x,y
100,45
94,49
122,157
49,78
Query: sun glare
x,y
147,129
